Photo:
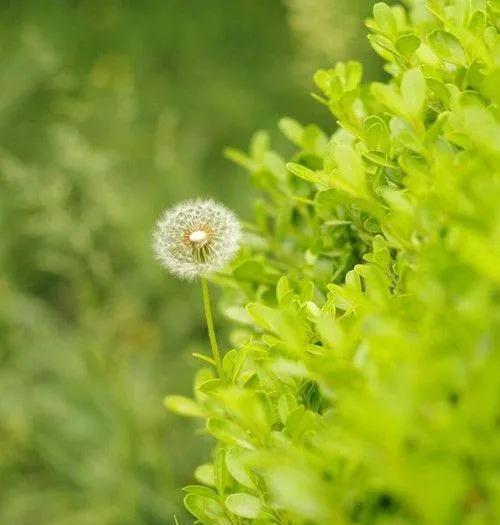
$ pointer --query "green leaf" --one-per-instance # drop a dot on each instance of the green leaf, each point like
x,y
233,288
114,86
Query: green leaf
x,y
350,173
275,164
237,314
297,487
259,145
447,47
413,90
248,408
209,385
379,158
323,79
287,403
292,130
235,462
404,135
183,406
389,97
314,140
490,37
303,172
250,270
204,357
201,490
330,331
299,424
221,474
229,432
440,90
383,46
492,86
207,510
306,290
288,326
205,474
385,19
328,199
407,45
244,505
238,157
228,362
377,134
353,74
477,23
283,289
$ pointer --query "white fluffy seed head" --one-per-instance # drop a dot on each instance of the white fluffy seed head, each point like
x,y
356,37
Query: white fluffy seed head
x,y
199,237
196,237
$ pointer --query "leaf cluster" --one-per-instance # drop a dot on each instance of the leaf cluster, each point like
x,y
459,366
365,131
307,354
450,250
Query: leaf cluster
x,y
363,383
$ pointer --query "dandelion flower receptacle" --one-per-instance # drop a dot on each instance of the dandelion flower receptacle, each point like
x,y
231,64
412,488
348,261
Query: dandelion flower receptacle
x,y
196,238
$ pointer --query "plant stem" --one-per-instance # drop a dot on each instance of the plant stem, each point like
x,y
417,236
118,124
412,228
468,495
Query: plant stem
x,y
210,325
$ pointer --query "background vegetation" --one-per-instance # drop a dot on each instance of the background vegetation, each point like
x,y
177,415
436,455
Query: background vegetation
x,y
109,112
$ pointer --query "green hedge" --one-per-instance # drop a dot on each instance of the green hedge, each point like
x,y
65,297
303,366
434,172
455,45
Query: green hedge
x,y
362,386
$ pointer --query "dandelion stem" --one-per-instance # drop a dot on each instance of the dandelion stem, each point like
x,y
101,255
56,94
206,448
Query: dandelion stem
x,y
210,325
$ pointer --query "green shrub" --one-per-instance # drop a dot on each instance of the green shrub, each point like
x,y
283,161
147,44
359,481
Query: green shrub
x,y
363,383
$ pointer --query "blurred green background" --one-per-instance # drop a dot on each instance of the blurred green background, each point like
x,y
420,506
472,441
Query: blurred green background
x,y
111,111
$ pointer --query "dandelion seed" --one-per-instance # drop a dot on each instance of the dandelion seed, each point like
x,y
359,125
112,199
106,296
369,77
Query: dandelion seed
x,y
196,238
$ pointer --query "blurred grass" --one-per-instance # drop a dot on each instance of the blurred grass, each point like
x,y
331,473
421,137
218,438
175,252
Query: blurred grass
x,y
110,111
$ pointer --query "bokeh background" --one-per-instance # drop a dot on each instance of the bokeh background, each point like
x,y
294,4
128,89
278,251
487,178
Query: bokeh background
x,y
111,111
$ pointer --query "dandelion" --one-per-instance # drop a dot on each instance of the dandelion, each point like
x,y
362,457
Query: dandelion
x,y
194,239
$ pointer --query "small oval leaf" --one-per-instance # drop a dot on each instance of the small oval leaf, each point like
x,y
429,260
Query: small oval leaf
x,y
447,47
244,505
183,406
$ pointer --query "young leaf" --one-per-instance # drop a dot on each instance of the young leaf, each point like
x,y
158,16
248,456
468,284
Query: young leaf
x,y
384,17
283,289
259,145
350,170
229,432
205,474
235,461
447,47
303,172
183,406
222,477
413,90
201,490
287,403
377,135
292,130
244,505
207,510
407,45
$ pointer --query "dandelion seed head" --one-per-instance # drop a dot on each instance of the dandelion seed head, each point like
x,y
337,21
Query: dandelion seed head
x,y
196,237
199,237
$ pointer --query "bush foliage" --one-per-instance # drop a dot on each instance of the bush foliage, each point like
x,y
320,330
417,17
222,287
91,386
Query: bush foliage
x,y
362,386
